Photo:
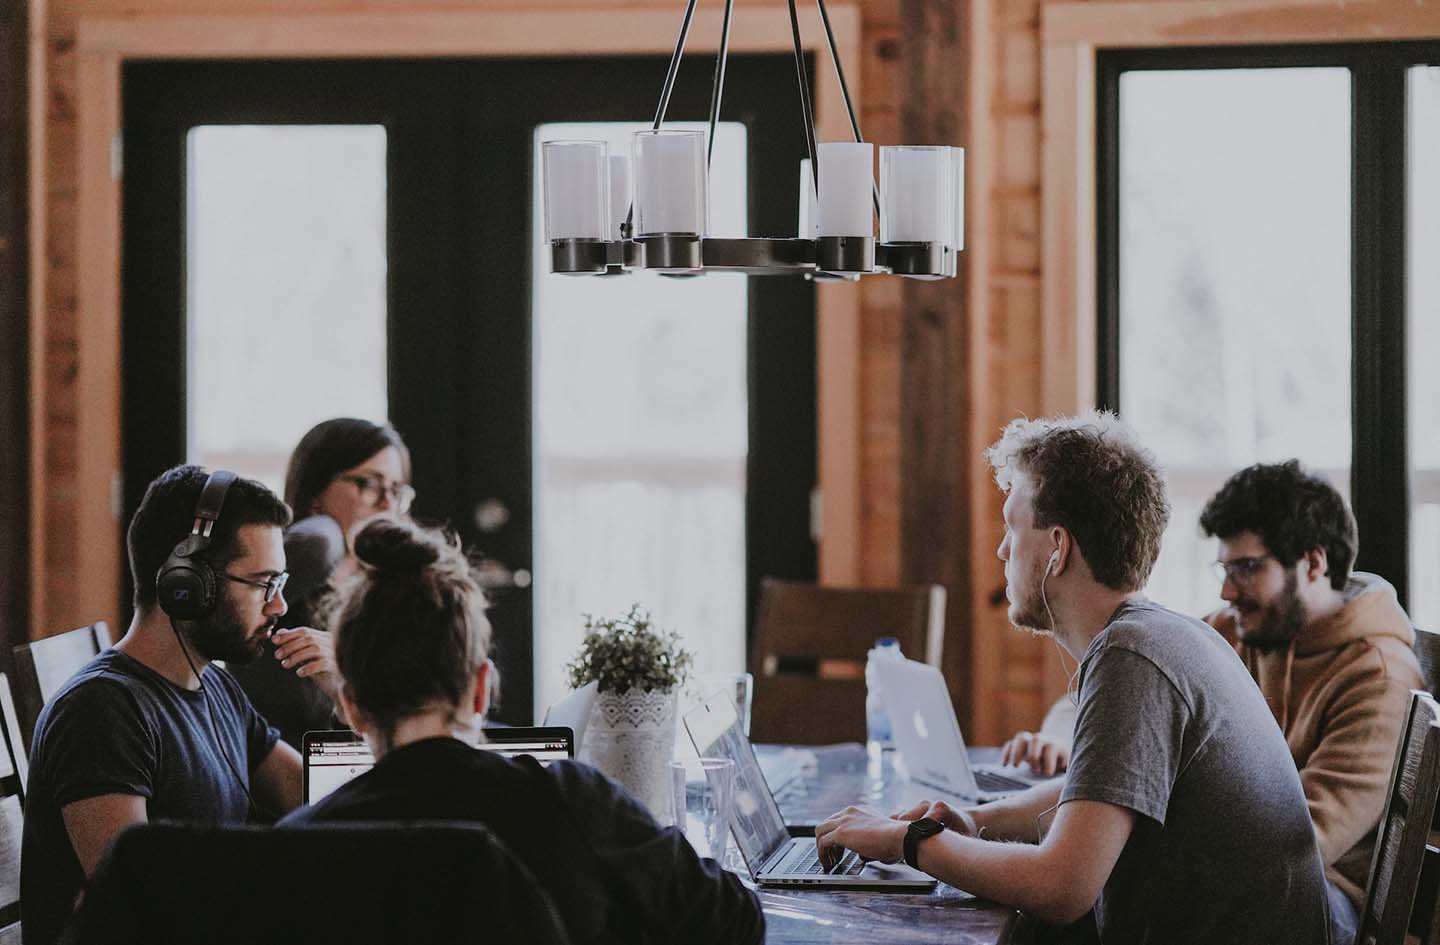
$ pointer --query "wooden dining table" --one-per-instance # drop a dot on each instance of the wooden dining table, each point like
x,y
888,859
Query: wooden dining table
x,y
810,784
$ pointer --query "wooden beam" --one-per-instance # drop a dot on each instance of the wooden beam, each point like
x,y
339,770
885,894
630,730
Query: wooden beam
x,y
935,396
1136,23
97,386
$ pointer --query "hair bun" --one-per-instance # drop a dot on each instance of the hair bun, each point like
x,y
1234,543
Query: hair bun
x,y
389,545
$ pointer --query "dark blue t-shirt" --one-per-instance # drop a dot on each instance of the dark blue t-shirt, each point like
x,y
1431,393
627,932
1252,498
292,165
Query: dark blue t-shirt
x,y
119,727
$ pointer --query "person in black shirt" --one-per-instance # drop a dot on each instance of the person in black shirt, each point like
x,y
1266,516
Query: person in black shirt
x,y
411,647
152,729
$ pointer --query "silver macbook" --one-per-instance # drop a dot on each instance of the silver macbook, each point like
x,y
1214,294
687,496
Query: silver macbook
x,y
772,856
927,735
573,711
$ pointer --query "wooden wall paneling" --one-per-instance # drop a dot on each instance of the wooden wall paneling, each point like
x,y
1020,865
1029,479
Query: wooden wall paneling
x,y
937,45
97,416
92,543
14,348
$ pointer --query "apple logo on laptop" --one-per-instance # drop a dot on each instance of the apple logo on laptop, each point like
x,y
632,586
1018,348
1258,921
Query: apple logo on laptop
x,y
920,728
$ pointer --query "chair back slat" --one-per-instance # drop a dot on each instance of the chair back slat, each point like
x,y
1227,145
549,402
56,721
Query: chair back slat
x,y
1427,653
1404,828
14,758
810,648
43,666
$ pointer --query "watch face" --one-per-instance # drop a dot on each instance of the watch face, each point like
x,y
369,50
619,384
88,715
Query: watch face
x,y
926,827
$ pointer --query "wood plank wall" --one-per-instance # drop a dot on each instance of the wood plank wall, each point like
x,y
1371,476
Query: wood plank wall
x,y
14,322
978,85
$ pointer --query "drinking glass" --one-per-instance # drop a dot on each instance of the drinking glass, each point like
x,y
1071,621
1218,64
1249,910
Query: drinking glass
x,y
703,791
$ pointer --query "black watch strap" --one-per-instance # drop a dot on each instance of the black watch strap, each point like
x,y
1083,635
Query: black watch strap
x,y
921,829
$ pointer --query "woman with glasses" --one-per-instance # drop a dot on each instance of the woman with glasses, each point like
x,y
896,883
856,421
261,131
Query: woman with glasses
x,y
343,473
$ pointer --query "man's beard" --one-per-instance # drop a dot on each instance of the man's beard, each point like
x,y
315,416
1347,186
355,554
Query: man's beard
x,y
1280,621
224,636
1029,613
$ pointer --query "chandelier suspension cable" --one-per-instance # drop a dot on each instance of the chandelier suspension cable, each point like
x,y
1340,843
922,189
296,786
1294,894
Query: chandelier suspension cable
x,y
718,86
805,98
844,89
665,91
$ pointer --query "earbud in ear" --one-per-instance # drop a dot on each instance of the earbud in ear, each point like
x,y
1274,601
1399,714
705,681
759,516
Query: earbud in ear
x,y
1054,557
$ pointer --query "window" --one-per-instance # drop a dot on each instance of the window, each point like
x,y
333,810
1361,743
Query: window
x,y
284,252
1252,257
641,440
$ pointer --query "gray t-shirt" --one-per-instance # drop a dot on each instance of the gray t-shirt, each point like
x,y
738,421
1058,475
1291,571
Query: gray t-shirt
x,y
1172,727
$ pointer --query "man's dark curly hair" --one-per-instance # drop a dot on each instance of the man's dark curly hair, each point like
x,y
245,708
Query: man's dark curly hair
x,y
1293,511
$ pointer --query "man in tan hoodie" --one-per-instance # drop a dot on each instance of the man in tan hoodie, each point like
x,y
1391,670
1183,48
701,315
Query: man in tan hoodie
x,y
1330,650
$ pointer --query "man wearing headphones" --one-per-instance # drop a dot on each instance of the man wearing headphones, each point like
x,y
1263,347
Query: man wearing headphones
x,y
151,729
1181,819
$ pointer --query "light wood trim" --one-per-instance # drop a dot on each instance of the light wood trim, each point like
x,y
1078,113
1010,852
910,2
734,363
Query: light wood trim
x,y
528,32
1071,34
39,284
97,417
1136,23
105,42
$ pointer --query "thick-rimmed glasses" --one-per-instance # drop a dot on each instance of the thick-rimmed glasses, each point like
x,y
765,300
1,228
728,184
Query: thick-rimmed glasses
x,y
272,586
373,487
1240,570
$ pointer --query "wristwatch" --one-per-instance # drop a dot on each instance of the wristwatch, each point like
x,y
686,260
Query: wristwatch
x,y
921,829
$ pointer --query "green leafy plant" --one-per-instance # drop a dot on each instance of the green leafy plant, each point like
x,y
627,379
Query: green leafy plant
x,y
629,653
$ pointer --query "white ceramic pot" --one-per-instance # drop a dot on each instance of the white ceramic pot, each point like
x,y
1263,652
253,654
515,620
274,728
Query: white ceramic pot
x,y
631,738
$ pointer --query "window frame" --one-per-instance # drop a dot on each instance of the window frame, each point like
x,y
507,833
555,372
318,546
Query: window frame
x,y
1379,471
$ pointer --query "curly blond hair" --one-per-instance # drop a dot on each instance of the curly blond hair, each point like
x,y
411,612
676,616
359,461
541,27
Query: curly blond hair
x,y
1093,478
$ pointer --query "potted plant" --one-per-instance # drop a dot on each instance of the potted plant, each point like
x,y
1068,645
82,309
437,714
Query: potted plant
x,y
639,671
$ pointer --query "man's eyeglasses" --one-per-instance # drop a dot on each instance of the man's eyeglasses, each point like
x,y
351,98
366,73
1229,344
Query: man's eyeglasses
x,y
373,487
272,585
1240,570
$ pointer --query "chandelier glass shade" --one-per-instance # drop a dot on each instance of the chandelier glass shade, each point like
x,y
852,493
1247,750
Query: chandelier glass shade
x,y
648,210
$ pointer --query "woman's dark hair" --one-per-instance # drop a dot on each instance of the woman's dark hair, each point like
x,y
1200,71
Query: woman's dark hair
x,y
410,628
1291,509
330,448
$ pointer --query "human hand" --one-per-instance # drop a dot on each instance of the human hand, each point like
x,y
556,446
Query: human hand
x,y
959,821
1047,755
869,834
311,653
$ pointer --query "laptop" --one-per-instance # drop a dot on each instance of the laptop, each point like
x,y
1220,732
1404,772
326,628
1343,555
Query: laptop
x,y
927,735
330,758
773,857
573,711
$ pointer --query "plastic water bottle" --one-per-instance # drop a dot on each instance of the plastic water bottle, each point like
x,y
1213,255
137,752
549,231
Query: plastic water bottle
x,y
878,733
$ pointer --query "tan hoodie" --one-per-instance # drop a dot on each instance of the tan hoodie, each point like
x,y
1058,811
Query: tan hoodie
x,y
1340,693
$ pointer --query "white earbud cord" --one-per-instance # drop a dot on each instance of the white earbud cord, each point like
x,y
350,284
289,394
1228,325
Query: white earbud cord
x,y
1071,691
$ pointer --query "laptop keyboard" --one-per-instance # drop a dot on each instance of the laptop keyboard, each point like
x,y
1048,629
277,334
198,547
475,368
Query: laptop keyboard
x,y
991,781
809,862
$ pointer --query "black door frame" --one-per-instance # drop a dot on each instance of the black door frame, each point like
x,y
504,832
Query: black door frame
x,y
162,100
1379,484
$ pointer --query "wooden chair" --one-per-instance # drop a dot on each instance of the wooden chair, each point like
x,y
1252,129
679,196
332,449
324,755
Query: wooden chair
x,y
810,649
13,771
1427,651
42,667
1400,840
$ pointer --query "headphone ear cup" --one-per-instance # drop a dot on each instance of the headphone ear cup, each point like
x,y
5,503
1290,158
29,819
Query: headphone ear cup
x,y
185,586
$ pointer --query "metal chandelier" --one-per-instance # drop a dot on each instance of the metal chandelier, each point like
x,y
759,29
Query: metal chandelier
x,y
597,224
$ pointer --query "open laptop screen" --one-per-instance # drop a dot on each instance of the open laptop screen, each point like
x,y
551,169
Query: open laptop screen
x,y
331,758
758,825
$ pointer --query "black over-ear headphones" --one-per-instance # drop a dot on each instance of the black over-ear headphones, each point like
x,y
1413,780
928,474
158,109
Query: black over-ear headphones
x,y
186,583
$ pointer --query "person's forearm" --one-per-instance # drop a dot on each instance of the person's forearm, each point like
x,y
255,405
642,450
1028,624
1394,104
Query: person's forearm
x,y
1013,874
1015,818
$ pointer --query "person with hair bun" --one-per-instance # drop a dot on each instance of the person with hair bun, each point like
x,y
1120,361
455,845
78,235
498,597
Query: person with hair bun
x,y
411,646
342,473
